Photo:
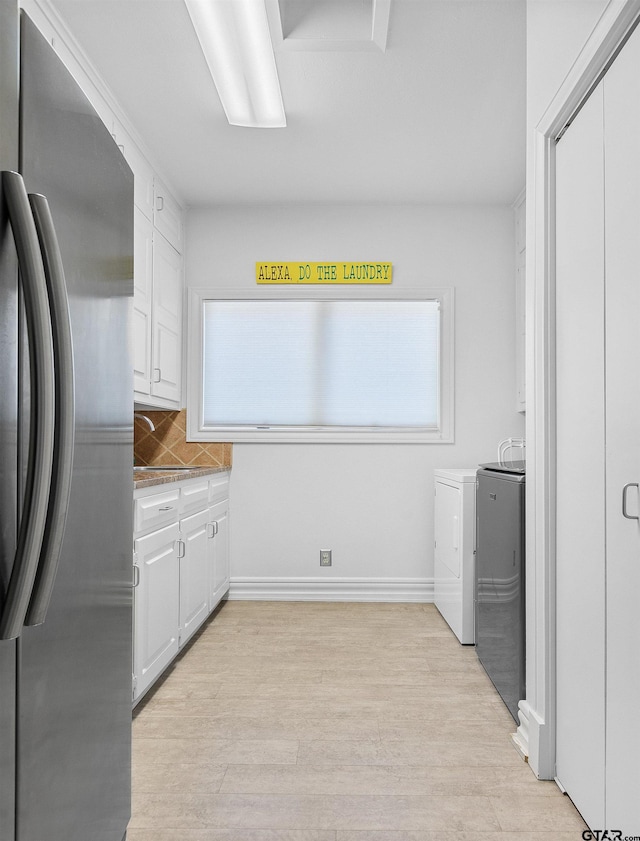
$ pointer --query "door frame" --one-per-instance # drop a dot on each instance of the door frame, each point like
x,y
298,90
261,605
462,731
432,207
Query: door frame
x,y
536,735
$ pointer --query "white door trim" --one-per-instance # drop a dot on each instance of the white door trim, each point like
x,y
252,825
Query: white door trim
x,y
536,733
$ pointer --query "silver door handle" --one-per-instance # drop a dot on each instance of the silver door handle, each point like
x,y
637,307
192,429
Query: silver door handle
x,y
182,549
624,501
42,422
157,375
136,576
166,508
64,433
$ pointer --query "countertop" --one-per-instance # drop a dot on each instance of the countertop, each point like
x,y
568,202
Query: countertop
x,y
147,478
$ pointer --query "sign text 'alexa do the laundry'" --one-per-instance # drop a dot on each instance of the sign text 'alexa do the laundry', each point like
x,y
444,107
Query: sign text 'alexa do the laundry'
x,y
330,273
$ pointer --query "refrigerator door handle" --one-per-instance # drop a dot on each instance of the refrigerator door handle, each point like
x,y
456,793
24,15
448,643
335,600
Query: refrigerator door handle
x,y
41,433
64,433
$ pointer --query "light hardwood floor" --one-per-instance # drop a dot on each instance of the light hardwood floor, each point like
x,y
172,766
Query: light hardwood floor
x,y
291,721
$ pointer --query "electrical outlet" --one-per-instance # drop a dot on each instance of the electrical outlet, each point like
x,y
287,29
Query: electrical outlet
x,y
325,557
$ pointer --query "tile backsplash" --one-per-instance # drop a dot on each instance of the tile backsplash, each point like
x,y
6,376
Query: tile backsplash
x,y
168,444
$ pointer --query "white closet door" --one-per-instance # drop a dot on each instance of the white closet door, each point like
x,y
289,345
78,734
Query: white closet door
x,y
580,530
622,237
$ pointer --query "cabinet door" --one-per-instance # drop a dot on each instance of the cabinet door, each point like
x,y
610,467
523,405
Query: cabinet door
x,y
156,602
142,172
219,557
167,320
194,573
142,286
167,215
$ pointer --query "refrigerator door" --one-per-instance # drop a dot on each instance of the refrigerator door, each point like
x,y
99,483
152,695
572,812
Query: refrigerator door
x,y
500,642
8,405
74,718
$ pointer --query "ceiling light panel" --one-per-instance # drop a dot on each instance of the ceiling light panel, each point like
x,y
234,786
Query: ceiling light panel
x,y
236,42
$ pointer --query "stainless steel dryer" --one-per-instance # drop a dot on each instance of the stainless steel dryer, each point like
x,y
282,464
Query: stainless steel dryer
x,y
500,579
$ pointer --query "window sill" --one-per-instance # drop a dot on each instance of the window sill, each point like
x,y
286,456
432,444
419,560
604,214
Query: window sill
x,y
318,436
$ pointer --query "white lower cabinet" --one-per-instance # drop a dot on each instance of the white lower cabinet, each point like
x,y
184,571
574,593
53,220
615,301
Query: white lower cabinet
x,y
194,573
219,554
181,568
156,619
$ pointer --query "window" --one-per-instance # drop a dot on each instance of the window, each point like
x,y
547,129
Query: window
x,y
331,369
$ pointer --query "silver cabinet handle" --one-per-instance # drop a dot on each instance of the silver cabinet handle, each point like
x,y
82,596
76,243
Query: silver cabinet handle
x,y
624,501
42,423
214,528
159,203
64,433
157,375
166,508
136,576
181,548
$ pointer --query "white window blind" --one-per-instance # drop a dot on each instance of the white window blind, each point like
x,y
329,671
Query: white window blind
x,y
321,364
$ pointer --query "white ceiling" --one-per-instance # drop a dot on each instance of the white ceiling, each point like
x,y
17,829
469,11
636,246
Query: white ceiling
x,y
438,117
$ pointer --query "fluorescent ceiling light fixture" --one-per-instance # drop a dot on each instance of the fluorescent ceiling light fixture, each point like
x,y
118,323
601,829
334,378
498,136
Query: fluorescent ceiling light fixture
x,y
236,42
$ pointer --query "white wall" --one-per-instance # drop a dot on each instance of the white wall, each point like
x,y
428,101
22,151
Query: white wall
x,y
371,504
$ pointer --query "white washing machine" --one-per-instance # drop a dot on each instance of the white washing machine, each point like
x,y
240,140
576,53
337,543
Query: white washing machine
x,y
454,559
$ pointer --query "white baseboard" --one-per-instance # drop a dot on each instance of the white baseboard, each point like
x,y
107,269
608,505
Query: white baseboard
x,y
520,738
541,745
333,590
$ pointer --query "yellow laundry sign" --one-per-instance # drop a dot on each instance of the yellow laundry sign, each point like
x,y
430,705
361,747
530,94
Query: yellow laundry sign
x,y
329,273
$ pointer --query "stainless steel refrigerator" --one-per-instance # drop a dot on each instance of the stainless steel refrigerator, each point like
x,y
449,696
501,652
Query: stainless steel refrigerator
x,y
500,579
65,454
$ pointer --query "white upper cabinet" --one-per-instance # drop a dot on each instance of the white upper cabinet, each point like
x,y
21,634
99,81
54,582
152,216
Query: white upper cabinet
x,y
143,174
157,317
158,292
142,296
166,322
167,215
158,281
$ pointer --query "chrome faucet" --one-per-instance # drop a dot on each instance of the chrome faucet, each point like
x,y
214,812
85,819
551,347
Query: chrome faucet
x,y
145,418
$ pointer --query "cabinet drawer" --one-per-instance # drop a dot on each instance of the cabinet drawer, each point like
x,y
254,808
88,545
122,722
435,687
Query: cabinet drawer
x,y
195,495
156,510
219,488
